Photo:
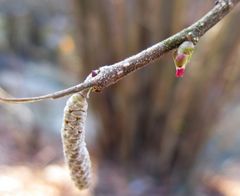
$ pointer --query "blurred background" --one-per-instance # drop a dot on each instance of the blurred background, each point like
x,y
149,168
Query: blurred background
x,y
150,134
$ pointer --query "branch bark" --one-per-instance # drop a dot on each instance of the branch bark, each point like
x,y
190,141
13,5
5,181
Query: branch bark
x,y
109,75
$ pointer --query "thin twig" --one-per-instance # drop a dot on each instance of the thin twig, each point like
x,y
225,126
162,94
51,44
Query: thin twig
x,y
108,75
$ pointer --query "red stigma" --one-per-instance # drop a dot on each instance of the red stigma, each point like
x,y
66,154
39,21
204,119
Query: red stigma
x,y
180,72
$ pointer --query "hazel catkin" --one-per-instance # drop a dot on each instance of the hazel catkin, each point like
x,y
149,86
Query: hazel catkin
x,y
73,138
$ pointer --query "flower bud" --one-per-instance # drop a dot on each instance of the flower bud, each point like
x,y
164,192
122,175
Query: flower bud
x,y
182,56
95,72
180,60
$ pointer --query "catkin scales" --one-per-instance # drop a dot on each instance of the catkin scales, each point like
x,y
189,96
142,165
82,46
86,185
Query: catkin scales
x,y
73,138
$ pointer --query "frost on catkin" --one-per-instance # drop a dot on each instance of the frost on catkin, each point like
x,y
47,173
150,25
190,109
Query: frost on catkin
x,y
73,137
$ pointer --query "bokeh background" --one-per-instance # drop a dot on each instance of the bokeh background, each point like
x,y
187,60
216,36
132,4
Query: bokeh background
x,y
151,133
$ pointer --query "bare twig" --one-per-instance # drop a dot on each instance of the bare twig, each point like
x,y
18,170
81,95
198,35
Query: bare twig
x,y
108,75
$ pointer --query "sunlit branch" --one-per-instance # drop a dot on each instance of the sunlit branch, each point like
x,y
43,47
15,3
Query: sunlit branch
x,y
108,75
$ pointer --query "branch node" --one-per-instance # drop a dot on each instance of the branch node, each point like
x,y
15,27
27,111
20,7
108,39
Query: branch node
x,y
192,37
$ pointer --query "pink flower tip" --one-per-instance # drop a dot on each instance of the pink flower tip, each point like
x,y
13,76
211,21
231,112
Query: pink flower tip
x,y
180,72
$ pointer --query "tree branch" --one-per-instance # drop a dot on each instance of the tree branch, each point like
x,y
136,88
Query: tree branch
x,y
108,75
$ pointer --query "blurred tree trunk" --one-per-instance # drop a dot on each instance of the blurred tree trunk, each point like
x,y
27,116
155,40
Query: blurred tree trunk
x,y
151,120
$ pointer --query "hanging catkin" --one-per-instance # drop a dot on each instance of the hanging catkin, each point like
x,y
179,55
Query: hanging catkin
x,y
73,137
